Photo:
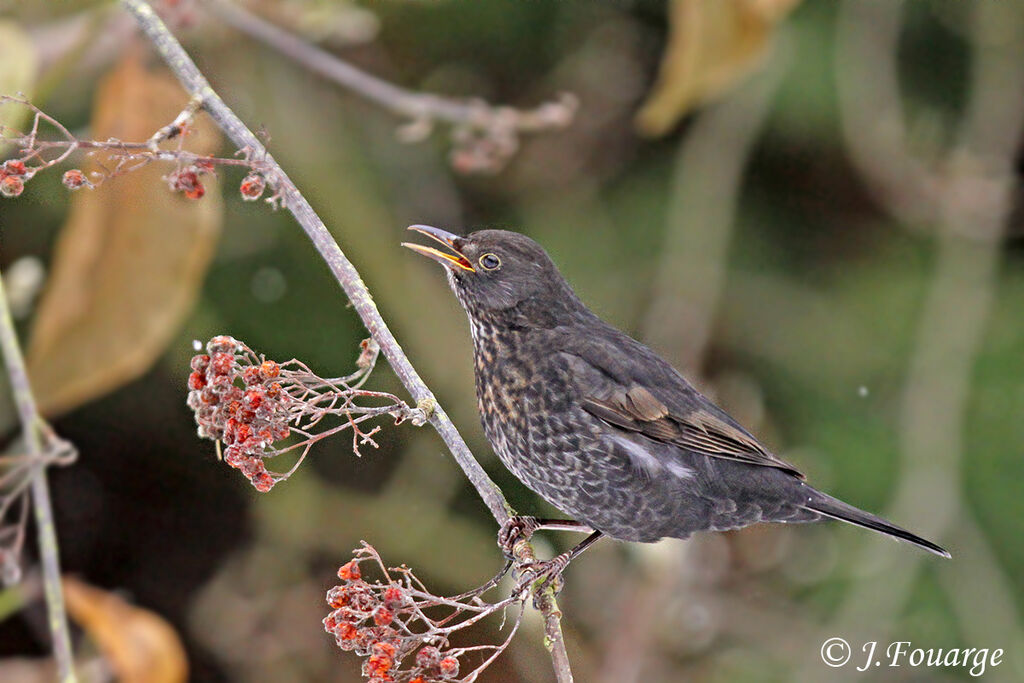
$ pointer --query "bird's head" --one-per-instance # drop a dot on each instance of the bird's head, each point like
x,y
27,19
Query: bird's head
x,y
495,271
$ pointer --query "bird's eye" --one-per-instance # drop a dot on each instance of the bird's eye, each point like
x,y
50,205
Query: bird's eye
x,y
490,262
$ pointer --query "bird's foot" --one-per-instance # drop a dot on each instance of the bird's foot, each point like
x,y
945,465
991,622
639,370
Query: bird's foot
x,y
514,530
541,575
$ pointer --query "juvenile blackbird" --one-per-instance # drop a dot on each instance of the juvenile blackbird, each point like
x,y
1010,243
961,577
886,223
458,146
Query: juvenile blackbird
x,y
598,424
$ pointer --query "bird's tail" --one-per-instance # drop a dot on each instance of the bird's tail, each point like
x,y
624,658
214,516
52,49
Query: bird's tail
x,y
836,509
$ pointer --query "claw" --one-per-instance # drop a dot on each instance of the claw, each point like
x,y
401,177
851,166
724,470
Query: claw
x,y
514,530
542,575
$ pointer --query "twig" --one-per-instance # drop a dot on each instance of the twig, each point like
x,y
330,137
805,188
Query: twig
x,y
484,136
344,272
554,641
415,105
48,549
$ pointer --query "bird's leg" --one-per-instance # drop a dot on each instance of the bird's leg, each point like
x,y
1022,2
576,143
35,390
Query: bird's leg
x,y
522,528
552,569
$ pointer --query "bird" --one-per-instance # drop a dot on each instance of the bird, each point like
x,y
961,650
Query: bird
x,y
601,426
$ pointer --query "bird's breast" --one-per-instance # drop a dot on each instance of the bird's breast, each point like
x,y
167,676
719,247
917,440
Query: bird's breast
x,y
514,387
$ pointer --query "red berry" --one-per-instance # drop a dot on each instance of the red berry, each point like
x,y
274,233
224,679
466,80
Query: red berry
x,y
15,167
234,456
11,186
232,408
243,432
252,187
220,383
428,657
74,179
379,665
222,363
222,344
338,597
200,362
383,616
263,482
269,369
253,398
393,597
253,467
196,381
349,571
187,180
251,375
330,623
383,648
365,638
449,667
347,632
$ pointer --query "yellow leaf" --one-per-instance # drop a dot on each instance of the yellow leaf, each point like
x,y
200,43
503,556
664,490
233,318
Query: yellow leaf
x,y
131,258
711,45
140,645
19,67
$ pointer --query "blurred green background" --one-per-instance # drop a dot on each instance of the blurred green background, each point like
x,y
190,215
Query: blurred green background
x,y
839,264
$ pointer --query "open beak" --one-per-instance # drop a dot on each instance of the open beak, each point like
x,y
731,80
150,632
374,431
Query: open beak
x,y
453,260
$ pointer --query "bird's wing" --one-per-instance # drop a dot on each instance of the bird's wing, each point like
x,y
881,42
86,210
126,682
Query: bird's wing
x,y
662,406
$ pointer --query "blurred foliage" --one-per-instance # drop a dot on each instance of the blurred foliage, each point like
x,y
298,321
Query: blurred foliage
x,y
812,339
711,45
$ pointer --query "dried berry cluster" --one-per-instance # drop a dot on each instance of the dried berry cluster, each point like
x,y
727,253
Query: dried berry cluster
x,y
240,404
364,621
121,157
249,404
387,623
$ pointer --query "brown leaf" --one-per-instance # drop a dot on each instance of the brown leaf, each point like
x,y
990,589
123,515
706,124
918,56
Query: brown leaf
x,y
140,645
130,260
711,45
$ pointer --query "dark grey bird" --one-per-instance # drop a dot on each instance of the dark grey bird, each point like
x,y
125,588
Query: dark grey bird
x,y
601,426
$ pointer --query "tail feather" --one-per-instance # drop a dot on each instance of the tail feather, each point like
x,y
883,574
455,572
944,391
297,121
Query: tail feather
x,y
837,509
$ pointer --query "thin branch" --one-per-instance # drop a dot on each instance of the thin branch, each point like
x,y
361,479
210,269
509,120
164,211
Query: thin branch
x,y
48,549
415,105
348,278
484,137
